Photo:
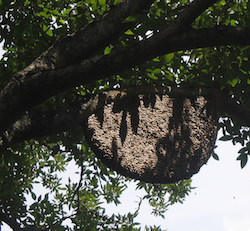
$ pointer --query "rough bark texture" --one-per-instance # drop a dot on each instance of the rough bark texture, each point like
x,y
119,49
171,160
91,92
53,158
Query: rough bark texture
x,y
154,137
53,72
33,85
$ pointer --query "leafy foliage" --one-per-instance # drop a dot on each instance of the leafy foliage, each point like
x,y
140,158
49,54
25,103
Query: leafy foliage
x,y
29,28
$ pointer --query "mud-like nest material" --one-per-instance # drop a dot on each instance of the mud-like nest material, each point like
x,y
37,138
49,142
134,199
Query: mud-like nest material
x,y
159,137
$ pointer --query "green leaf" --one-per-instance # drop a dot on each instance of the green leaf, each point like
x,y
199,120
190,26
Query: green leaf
x,y
168,57
156,71
243,150
232,22
55,12
233,82
156,60
45,28
152,76
107,50
170,77
226,138
67,11
46,197
43,14
129,32
102,2
243,160
215,156
49,33
33,195
223,2
62,21
131,18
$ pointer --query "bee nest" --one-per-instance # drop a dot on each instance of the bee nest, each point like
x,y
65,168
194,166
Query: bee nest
x,y
157,137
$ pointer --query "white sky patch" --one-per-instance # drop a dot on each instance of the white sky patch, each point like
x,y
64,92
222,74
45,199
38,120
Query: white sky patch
x,y
237,224
1,49
222,192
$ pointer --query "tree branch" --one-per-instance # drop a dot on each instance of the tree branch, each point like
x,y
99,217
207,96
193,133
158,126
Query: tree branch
x,y
37,124
10,222
32,88
74,48
90,39
208,37
38,88
15,225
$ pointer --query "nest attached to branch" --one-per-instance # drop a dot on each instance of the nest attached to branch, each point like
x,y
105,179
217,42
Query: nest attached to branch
x,y
155,135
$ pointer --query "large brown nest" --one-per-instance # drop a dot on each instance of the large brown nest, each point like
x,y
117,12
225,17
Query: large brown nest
x,y
158,137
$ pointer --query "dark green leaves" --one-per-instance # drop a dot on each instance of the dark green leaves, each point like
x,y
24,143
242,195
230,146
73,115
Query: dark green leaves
x,y
215,156
226,138
243,159
167,58
244,153
156,195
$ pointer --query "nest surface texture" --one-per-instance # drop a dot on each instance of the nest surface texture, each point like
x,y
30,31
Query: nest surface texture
x,y
159,137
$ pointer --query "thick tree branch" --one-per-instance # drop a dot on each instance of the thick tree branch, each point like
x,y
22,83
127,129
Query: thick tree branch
x,y
10,221
50,82
193,10
15,225
208,37
37,124
85,43
33,85
91,39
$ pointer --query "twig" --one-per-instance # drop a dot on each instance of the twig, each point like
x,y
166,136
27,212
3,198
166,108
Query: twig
x,y
40,29
80,180
224,9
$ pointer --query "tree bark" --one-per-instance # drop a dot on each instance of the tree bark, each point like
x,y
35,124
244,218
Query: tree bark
x,y
37,124
53,72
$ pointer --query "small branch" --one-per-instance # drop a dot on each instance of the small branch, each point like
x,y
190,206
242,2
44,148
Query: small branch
x,y
80,181
15,225
39,28
224,9
139,206
192,11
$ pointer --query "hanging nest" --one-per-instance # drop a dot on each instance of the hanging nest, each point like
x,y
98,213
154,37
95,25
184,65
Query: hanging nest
x,y
156,135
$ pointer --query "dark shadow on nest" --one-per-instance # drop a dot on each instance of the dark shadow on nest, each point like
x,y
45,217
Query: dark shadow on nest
x,y
176,157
